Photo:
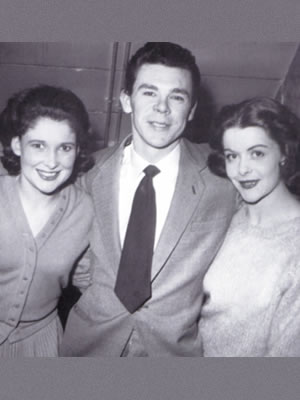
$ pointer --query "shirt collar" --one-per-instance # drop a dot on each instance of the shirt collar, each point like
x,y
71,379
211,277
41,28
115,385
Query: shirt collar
x,y
169,164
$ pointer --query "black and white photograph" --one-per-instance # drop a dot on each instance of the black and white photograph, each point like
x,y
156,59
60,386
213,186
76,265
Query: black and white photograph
x,y
150,210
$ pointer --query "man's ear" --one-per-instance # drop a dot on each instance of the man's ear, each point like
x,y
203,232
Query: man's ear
x,y
192,112
16,145
125,102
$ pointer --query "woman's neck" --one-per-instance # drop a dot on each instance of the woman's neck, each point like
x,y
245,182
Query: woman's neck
x,y
279,206
38,207
31,195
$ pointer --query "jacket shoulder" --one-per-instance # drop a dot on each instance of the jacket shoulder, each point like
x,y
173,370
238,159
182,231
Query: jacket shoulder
x,y
198,151
100,157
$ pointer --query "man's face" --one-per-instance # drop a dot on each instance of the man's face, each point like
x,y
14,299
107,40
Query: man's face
x,y
160,106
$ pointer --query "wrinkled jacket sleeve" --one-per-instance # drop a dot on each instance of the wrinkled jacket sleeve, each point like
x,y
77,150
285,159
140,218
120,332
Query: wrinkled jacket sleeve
x,y
82,273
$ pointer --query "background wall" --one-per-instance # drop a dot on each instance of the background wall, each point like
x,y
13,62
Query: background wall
x,y
95,72
289,92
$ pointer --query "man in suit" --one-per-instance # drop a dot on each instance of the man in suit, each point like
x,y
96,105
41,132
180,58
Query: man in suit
x,y
193,211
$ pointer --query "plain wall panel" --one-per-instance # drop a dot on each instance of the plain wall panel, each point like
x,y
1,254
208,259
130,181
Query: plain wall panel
x,y
290,89
256,60
96,56
227,90
90,85
97,121
21,53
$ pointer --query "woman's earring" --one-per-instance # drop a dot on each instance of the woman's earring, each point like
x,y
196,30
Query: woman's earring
x,y
282,162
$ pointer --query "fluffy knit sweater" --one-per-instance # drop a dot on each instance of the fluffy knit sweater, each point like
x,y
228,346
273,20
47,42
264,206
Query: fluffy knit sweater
x,y
252,306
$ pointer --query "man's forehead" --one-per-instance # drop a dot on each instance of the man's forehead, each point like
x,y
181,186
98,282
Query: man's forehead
x,y
155,74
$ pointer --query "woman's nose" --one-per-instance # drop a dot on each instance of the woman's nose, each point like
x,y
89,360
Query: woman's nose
x,y
244,166
51,159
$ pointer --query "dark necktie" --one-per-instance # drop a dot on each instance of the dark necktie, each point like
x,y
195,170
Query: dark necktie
x,y
133,284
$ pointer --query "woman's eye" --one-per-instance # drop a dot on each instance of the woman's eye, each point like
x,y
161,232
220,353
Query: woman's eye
x,y
257,154
66,147
230,156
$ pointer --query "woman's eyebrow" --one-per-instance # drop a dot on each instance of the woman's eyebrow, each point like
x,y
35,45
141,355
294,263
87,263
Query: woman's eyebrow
x,y
257,145
249,148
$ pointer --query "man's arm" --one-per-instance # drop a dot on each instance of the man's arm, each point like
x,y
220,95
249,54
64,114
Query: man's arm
x,y
81,277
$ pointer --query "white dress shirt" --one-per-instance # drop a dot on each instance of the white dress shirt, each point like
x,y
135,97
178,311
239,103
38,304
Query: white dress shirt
x,y
164,185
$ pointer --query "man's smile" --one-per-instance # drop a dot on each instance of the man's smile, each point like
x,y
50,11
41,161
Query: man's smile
x,y
159,125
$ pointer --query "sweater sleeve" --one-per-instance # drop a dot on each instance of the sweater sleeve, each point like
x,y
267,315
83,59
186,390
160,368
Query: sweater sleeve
x,y
284,338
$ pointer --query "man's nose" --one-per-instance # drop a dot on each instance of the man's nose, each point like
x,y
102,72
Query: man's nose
x,y
162,106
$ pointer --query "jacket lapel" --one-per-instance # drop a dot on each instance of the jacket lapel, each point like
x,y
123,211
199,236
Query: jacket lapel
x,y
188,192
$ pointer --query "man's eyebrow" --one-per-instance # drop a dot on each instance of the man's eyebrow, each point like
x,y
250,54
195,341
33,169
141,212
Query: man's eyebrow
x,y
153,87
147,86
181,91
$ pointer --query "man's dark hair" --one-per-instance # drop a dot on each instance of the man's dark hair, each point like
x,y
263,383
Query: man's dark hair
x,y
164,53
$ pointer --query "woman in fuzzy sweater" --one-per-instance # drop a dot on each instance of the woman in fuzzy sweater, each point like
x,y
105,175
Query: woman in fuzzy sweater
x,y
252,289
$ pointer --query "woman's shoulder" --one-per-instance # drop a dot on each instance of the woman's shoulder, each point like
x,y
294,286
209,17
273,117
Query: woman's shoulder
x,y
285,233
77,196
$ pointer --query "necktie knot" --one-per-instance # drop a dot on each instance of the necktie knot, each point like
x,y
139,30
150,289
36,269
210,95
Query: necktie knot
x,y
151,171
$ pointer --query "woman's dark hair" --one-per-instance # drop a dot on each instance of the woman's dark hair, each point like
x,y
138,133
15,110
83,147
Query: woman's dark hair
x,y
23,110
165,53
277,121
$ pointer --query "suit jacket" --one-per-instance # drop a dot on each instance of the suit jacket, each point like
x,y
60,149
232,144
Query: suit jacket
x,y
167,324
